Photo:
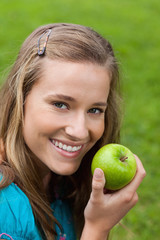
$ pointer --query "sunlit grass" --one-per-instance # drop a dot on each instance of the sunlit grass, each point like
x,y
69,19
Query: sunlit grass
x,y
133,29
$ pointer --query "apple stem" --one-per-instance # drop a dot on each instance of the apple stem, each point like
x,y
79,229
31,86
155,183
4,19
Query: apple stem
x,y
123,158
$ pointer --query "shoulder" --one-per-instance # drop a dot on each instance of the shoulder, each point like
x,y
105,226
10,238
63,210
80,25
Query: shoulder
x,y
16,215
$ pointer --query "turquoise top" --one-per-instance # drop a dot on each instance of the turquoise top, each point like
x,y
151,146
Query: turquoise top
x,y
17,220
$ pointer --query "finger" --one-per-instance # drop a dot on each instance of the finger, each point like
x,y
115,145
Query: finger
x,y
98,183
140,174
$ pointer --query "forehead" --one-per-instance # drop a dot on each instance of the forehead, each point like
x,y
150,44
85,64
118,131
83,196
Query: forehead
x,y
70,77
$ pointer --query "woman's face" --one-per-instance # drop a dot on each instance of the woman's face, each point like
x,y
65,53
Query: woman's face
x,y
64,113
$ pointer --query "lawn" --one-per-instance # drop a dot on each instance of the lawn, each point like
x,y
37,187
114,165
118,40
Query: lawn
x,y
133,29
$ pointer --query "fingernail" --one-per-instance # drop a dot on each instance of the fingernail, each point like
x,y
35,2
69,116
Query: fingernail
x,y
98,173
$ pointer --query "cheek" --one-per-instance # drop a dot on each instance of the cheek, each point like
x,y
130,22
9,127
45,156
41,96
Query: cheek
x,y
98,130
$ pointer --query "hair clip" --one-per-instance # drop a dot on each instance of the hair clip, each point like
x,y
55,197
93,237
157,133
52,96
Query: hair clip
x,y
41,52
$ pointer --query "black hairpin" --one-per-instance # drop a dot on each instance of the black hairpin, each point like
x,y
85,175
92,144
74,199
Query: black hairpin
x,y
47,33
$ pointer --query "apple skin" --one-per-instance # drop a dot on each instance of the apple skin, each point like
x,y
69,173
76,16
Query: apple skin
x,y
118,164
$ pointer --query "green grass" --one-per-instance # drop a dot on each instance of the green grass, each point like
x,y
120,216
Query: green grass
x,y
133,29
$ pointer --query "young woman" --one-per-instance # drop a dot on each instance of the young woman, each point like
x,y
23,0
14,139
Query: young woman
x,y
59,105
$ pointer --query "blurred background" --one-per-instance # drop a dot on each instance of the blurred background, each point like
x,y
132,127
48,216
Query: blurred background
x,y
133,29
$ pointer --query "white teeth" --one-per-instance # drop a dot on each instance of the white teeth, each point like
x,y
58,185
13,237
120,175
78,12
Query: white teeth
x,y
60,145
69,148
74,149
65,147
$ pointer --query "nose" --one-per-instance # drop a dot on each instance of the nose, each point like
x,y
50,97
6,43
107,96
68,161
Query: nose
x,y
77,127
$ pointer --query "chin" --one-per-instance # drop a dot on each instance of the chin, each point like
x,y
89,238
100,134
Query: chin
x,y
65,171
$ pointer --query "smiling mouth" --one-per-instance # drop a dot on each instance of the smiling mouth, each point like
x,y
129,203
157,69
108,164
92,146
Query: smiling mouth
x,y
67,148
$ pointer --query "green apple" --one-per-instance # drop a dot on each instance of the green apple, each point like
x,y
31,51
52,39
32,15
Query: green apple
x,y
118,164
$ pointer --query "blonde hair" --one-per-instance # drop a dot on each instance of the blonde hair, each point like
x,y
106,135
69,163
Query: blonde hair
x,y
66,42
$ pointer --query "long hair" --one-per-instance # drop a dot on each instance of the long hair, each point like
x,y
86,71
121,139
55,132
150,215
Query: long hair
x,y
66,42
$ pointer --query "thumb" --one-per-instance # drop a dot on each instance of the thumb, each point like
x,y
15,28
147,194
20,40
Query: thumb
x,y
98,183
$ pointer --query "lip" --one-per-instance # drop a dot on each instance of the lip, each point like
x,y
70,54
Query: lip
x,y
69,143
65,153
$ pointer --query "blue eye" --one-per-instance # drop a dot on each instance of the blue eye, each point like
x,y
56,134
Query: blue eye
x,y
95,111
60,105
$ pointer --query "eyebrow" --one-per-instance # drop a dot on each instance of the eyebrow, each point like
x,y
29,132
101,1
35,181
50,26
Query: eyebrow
x,y
62,97
71,99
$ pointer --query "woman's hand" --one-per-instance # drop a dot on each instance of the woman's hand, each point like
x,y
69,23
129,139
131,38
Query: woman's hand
x,y
103,211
